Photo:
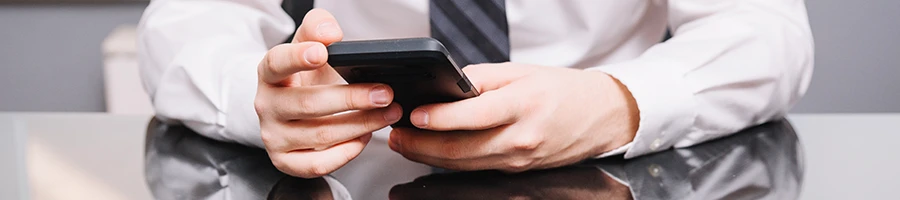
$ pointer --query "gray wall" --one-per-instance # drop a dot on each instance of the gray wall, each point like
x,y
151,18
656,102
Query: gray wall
x,y
857,56
50,56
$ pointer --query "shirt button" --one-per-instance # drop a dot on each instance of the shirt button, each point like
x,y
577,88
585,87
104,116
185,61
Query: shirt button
x,y
654,170
655,144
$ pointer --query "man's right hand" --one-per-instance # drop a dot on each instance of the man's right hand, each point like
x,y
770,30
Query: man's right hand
x,y
302,104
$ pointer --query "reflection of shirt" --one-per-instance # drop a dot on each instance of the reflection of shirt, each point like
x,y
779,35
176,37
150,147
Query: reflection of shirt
x,y
764,162
731,63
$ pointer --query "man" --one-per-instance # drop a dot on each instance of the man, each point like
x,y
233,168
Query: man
x,y
585,79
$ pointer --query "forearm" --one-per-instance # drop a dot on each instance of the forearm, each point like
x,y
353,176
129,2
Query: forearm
x,y
730,65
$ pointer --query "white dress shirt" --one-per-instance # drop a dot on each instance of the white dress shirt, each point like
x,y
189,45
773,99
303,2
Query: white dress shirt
x,y
731,63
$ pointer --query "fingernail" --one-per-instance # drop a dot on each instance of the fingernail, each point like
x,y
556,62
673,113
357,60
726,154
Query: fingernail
x,y
419,118
315,54
393,115
366,138
395,141
379,96
327,29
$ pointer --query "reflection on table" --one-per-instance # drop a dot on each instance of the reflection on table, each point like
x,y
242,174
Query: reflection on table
x,y
763,162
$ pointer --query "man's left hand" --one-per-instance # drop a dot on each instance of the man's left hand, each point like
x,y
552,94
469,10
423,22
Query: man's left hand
x,y
527,117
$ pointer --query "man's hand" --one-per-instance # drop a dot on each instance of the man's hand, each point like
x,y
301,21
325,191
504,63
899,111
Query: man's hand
x,y
302,104
575,182
527,117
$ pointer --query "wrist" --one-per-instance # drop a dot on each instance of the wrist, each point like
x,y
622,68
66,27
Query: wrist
x,y
620,116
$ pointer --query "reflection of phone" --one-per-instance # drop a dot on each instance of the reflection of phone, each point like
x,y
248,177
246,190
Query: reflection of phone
x,y
419,70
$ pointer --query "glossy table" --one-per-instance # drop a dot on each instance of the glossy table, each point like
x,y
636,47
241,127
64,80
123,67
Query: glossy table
x,y
837,156
763,162
760,163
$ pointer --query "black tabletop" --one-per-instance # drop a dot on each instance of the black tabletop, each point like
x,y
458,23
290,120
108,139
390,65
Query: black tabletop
x,y
762,162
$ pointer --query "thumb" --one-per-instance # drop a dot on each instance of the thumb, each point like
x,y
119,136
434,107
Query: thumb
x,y
492,76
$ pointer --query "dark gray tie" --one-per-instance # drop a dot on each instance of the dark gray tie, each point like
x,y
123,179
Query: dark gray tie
x,y
474,31
297,9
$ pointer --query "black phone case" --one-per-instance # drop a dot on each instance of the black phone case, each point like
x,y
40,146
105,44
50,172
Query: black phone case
x,y
419,70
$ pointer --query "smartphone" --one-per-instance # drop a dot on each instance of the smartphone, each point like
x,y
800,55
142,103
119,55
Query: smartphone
x,y
419,70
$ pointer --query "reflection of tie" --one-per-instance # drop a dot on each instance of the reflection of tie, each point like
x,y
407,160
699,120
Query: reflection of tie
x,y
474,31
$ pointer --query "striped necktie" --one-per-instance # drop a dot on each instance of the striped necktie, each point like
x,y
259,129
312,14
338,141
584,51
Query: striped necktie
x,y
474,31
297,9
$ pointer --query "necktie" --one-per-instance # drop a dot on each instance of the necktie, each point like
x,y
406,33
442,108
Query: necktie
x,y
297,10
474,31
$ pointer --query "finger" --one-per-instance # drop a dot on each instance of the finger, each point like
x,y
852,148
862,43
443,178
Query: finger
x,y
321,133
320,26
491,76
312,164
511,162
486,111
473,164
284,60
455,145
325,75
321,100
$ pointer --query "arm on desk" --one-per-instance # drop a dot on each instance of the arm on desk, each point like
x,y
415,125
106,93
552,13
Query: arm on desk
x,y
730,65
199,59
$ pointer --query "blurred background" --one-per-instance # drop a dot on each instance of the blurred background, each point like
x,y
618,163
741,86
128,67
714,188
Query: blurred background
x,y
60,57
52,56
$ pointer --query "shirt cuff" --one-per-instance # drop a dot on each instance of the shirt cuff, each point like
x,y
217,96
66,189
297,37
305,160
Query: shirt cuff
x,y
338,191
239,116
667,109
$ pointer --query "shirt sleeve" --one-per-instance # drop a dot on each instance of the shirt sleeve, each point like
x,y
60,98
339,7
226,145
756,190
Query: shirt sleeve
x,y
198,61
730,64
